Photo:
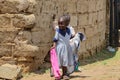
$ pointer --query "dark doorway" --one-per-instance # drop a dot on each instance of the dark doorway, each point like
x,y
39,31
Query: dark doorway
x,y
114,37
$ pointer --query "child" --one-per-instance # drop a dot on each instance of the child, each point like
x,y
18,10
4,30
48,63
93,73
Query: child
x,y
67,16
67,23
70,69
75,44
62,45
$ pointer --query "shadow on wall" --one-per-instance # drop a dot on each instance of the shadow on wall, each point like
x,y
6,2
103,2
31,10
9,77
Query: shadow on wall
x,y
45,66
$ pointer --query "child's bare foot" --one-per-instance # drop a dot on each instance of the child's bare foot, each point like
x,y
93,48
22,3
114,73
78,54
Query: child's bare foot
x,y
58,78
65,77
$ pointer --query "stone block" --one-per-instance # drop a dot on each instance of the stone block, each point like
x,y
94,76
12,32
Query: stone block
x,y
88,44
71,6
8,71
96,42
17,20
82,6
8,36
24,54
102,36
79,29
36,37
92,19
23,21
28,66
105,4
60,7
101,27
7,60
38,7
48,7
43,52
25,50
5,21
23,47
89,32
43,21
74,20
25,59
17,6
91,5
100,4
32,63
27,35
83,19
6,49
82,47
86,54
42,37
13,6
100,16
32,6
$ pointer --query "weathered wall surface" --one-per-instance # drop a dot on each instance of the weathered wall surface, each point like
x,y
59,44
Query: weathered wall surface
x,y
16,21
87,16
26,34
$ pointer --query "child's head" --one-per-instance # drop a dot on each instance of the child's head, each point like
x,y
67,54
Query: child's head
x,y
67,17
62,22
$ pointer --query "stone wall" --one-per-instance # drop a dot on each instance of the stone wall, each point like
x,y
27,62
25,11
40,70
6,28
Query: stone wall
x,y
26,33
16,21
87,16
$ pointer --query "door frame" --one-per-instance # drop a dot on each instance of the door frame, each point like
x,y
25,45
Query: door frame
x,y
114,23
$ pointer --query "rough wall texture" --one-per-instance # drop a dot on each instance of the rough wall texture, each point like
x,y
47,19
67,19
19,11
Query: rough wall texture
x,y
16,21
26,34
87,16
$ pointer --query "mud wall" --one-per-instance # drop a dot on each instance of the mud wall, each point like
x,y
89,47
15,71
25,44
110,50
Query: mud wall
x,y
26,33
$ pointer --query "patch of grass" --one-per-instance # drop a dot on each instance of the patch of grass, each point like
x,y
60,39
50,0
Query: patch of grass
x,y
104,57
117,56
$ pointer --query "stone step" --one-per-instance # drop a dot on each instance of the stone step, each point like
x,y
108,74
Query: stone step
x,y
11,72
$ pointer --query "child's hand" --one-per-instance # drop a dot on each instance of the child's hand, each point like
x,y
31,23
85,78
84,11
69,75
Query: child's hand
x,y
54,44
52,47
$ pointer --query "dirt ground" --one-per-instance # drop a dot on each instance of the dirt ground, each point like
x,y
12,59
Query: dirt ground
x,y
104,68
